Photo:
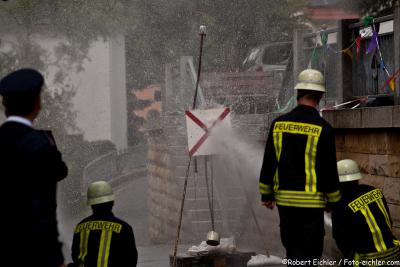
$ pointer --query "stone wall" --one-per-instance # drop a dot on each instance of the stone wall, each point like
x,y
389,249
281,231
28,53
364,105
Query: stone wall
x,y
371,136
167,166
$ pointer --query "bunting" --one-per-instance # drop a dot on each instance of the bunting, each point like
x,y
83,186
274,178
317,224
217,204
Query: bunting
x,y
391,81
358,46
373,44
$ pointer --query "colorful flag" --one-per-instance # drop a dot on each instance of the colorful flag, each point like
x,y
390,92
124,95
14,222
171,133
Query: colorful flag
x,y
368,20
373,43
383,66
324,38
358,45
314,57
348,52
391,81
392,84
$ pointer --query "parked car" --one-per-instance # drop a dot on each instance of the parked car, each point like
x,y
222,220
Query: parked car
x,y
274,56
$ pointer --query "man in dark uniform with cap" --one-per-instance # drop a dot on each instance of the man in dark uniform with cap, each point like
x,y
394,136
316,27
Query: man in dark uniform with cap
x,y
30,167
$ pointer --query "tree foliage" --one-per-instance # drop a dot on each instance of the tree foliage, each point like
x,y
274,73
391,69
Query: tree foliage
x,y
167,30
366,7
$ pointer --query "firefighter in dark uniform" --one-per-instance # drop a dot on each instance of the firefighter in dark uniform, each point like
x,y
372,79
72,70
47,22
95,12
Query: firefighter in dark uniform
x,y
102,239
299,171
30,167
361,223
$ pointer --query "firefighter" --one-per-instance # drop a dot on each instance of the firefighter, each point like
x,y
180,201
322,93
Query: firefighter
x,y
361,222
103,239
299,172
31,166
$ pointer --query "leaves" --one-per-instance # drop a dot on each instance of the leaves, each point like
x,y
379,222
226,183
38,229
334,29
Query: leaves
x,y
365,7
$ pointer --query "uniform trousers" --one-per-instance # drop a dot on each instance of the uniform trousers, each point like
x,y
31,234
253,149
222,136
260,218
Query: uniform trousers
x,y
302,234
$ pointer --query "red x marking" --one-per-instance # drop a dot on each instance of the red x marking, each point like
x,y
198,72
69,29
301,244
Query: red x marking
x,y
206,129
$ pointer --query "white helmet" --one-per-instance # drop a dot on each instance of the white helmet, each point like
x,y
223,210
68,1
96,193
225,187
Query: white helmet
x,y
312,80
99,192
348,170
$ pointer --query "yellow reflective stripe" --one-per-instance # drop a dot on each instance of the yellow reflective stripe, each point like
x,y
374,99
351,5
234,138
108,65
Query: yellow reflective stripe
x,y
83,246
300,204
265,192
384,212
300,199
310,157
313,158
104,248
107,249
333,196
307,159
301,194
356,260
374,228
278,151
265,189
386,255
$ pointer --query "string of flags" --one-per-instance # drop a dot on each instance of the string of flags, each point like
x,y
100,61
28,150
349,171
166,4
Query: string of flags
x,y
369,31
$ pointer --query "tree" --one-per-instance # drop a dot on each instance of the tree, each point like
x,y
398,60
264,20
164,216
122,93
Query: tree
x,y
367,7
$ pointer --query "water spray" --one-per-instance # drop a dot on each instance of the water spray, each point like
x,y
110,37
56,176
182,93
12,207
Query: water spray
x,y
202,34
213,237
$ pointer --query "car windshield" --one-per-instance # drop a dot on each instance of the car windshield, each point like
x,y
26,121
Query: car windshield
x,y
254,54
271,54
276,55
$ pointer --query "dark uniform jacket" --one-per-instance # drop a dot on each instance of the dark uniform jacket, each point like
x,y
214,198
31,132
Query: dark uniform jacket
x,y
30,167
299,166
362,224
104,240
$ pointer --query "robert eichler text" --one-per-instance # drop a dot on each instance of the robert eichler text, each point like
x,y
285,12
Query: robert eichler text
x,y
341,262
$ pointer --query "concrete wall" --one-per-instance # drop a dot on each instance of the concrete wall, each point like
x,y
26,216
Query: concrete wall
x,y
371,136
100,100
101,93
118,93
